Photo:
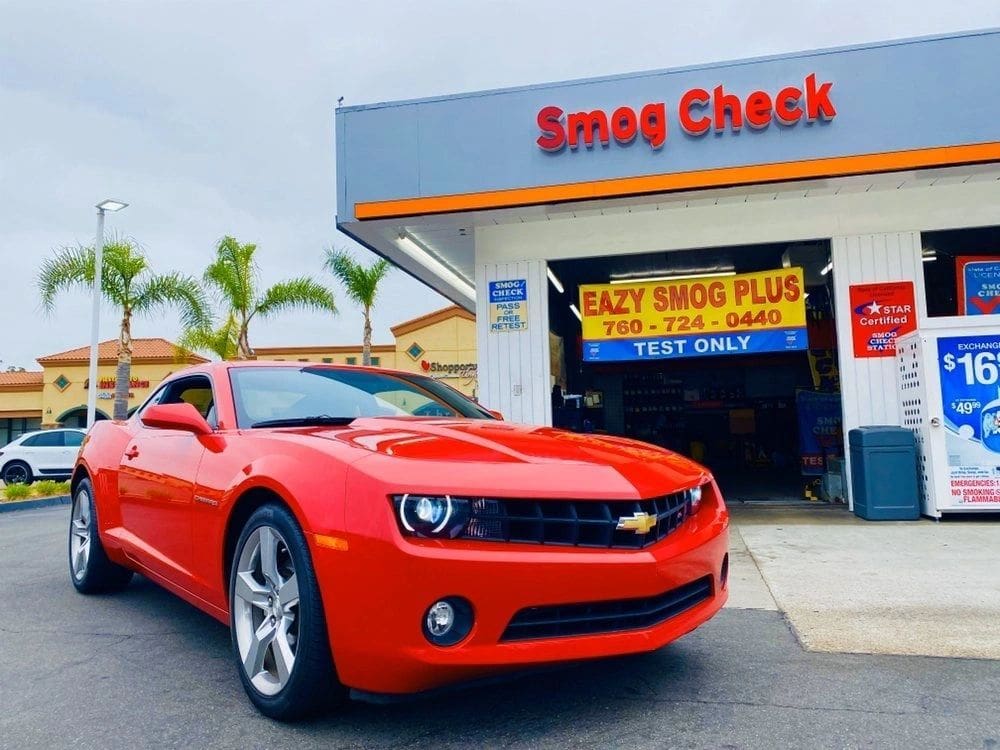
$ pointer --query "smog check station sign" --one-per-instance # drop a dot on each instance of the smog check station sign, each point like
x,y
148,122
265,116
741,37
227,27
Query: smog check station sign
x,y
745,314
508,305
881,313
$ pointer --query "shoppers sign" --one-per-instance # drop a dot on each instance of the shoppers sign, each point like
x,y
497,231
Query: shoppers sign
x,y
699,111
978,281
508,305
448,370
969,368
745,314
881,313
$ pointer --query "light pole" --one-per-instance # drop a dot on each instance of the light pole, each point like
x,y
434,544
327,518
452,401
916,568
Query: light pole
x,y
95,318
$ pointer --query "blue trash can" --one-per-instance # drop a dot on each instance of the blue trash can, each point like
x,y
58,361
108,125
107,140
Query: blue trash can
x,y
884,473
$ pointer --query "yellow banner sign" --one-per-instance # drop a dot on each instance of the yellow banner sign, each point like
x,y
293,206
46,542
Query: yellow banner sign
x,y
755,306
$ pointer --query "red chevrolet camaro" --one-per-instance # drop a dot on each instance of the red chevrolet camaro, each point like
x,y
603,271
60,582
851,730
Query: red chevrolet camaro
x,y
377,532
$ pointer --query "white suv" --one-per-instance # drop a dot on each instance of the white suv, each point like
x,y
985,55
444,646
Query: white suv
x,y
48,454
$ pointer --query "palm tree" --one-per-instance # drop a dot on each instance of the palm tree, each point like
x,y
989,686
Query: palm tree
x,y
361,284
128,283
235,278
222,341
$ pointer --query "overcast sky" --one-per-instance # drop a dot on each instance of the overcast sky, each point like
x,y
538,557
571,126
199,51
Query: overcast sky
x,y
216,118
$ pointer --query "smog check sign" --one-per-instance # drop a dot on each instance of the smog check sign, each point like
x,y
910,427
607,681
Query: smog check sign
x,y
881,313
702,317
508,306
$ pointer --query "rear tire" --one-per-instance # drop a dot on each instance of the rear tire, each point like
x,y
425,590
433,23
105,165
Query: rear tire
x,y
17,472
89,567
276,619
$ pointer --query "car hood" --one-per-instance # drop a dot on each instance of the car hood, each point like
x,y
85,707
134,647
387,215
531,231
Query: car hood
x,y
519,447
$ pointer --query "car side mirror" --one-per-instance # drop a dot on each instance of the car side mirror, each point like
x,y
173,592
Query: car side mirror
x,y
181,416
496,414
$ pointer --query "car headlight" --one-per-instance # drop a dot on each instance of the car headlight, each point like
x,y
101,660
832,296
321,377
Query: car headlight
x,y
432,516
694,495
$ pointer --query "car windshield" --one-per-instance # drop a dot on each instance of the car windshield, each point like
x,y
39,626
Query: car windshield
x,y
285,396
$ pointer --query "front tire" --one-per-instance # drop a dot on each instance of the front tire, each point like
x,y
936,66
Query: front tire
x,y
89,567
276,619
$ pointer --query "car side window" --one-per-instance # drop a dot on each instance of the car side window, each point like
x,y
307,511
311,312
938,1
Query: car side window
x,y
152,401
72,439
53,439
197,391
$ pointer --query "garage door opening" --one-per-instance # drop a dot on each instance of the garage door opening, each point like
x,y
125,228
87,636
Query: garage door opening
x,y
752,395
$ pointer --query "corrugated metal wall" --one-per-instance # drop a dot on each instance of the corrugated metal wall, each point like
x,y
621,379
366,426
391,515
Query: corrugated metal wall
x,y
868,385
514,368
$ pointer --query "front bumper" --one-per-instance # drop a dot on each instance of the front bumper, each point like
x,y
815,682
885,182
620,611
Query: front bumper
x,y
377,590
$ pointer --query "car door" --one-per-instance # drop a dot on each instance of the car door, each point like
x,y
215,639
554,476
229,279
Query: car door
x,y
72,440
43,452
156,479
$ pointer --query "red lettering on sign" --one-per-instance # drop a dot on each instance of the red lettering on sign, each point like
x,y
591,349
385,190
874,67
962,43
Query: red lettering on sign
x,y
689,124
654,124
758,110
818,104
624,125
585,123
726,103
698,112
783,113
549,122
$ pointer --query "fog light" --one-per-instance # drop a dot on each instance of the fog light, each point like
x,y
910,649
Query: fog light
x,y
440,619
448,621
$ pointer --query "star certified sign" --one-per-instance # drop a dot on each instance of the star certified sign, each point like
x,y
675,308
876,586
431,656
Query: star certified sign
x,y
639,522
881,313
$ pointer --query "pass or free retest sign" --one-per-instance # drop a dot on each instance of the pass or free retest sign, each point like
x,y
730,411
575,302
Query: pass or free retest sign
x,y
508,305
747,313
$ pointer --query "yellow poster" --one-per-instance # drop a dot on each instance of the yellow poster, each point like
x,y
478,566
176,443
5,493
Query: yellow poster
x,y
746,313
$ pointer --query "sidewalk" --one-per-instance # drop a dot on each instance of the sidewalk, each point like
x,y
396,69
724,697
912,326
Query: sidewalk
x,y
846,585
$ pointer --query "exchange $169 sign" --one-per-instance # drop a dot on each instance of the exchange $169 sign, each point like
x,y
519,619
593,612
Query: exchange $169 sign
x,y
969,367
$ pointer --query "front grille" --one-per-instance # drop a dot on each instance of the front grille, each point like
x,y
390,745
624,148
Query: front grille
x,y
577,523
562,620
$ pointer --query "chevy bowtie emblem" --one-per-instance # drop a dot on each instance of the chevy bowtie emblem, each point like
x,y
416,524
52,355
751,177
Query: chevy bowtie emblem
x,y
640,523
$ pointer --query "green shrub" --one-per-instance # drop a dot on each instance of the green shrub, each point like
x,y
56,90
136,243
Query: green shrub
x,y
16,491
49,488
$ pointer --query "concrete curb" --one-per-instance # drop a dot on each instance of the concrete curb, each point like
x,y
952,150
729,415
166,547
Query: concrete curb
x,y
42,502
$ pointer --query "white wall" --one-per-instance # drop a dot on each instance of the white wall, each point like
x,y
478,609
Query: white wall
x,y
740,218
514,368
868,384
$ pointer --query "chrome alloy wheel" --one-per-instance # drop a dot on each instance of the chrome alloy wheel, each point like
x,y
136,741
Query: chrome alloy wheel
x,y
80,531
266,610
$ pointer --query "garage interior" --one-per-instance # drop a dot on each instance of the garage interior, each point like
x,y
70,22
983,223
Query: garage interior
x,y
735,413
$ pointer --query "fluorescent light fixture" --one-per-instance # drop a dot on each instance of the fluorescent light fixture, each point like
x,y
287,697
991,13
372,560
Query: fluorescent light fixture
x,y
576,311
827,268
110,205
675,277
421,255
555,282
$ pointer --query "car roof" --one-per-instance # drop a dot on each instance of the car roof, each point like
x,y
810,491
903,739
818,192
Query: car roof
x,y
218,367
51,429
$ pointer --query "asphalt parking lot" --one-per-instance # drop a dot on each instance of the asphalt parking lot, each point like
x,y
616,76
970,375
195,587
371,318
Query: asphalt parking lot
x,y
143,669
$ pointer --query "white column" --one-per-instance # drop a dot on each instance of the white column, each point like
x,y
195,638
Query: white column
x,y
514,367
868,385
